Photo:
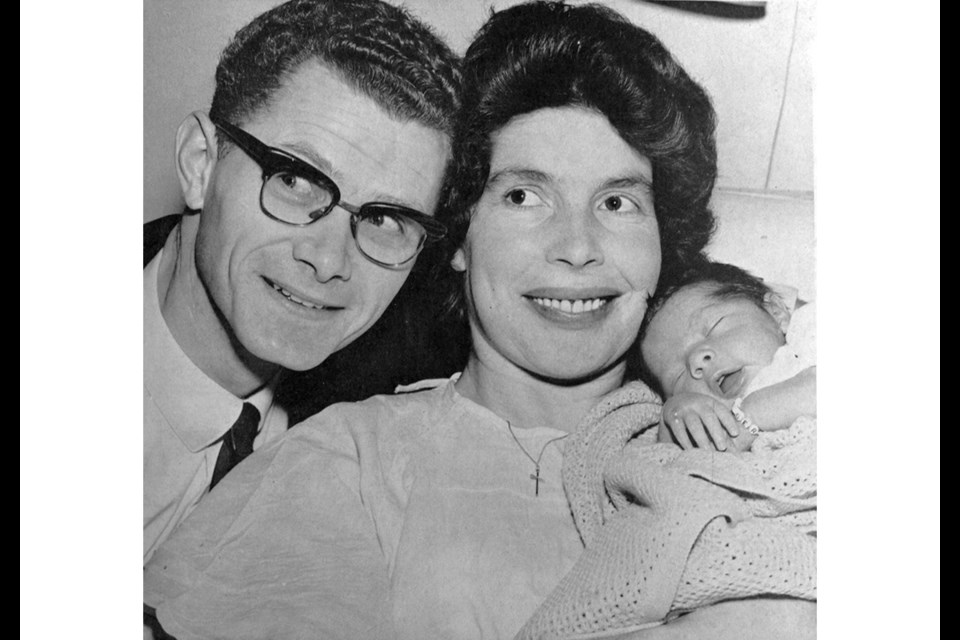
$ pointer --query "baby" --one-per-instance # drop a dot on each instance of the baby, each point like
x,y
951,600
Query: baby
x,y
728,358
673,517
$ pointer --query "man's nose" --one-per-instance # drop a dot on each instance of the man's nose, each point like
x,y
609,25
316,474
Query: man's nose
x,y
327,246
701,361
574,237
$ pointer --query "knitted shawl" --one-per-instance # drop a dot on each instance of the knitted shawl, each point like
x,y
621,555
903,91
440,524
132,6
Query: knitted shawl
x,y
667,530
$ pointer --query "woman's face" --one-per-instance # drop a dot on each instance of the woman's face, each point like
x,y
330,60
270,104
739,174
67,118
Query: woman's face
x,y
563,248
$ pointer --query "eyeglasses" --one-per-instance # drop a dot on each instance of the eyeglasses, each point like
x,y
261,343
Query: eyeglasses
x,y
297,193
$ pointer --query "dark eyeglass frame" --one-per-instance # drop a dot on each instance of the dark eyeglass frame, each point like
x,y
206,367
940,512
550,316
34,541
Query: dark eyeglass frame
x,y
273,161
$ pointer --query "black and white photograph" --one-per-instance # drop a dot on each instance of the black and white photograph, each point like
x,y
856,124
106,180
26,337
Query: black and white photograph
x,y
496,319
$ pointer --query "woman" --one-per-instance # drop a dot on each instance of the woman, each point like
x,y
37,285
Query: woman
x,y
585,163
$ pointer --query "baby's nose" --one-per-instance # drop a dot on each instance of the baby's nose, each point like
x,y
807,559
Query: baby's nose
x,y
701,360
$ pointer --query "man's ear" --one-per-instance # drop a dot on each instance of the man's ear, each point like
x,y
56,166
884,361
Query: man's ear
x,y
196,157
459,260
777,308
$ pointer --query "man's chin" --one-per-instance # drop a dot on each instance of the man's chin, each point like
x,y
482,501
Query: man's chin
x,y
299,354
298,359
296,346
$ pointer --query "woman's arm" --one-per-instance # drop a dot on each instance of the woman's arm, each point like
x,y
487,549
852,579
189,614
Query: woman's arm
x,y
754,619
777,406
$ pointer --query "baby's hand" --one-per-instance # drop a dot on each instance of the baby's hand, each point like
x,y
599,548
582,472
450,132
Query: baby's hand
x,y
697,420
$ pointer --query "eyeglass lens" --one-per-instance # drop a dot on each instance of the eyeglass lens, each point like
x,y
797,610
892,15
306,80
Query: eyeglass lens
x,y
382,232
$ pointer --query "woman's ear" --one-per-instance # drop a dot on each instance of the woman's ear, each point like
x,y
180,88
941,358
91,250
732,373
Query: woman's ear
x,y
459,260
196,156
777,308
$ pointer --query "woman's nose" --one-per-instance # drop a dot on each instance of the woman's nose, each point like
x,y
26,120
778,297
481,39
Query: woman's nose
x,y
325,246
700,361
575,238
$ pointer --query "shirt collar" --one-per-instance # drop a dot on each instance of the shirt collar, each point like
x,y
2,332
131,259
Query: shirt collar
x,y
198,409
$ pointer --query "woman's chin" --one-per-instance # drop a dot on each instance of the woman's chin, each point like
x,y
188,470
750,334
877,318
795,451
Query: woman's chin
x,y
568,372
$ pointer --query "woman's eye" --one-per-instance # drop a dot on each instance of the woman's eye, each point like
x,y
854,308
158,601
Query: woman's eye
x,y
619,204
385,222
523,198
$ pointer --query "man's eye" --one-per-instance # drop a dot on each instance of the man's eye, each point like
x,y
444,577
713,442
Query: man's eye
x,y
295,184
523,198
619,204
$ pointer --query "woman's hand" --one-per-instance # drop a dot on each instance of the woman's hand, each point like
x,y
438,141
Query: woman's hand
x,y
697,420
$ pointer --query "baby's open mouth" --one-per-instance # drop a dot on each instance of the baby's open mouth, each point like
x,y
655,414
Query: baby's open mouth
x,y
730,382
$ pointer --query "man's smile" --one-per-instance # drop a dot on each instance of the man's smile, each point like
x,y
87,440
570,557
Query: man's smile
x,y
300,298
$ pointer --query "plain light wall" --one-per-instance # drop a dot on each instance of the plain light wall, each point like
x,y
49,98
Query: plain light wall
x,y
757,72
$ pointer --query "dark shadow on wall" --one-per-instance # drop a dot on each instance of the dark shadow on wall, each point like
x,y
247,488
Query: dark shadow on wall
x,y
745,10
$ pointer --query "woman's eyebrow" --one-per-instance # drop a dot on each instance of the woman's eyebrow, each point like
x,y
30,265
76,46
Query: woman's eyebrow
x,y
516,173
629,182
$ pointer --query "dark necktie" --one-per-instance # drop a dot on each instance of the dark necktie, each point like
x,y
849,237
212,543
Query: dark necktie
x,y
237,443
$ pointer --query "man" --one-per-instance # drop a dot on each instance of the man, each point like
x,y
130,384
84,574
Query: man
x,y
309,187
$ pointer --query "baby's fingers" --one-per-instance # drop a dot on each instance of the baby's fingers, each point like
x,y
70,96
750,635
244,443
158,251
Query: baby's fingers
x,y
674,423
729,422
697,432
718,434
664,434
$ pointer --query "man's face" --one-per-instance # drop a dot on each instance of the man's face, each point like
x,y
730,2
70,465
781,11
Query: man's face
x,y
293,295
701,344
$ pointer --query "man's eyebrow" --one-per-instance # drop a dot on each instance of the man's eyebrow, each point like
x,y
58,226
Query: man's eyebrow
x,y
310,156
517,173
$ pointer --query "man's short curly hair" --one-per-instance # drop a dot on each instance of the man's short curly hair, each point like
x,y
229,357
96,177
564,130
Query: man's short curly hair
x,y
547,54
380,49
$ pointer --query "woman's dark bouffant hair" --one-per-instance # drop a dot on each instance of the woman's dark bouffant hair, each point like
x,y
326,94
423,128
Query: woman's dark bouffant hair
x,y
547,54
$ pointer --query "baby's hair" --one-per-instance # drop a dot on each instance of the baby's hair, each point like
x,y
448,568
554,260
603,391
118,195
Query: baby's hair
x,y
726,282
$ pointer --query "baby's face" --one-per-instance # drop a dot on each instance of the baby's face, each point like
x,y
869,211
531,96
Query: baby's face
x,y
702,344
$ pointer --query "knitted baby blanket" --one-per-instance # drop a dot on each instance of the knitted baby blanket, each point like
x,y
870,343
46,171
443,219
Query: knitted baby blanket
x,y
667,530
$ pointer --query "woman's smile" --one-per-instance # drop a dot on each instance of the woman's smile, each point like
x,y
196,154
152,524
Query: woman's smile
x,y
572,307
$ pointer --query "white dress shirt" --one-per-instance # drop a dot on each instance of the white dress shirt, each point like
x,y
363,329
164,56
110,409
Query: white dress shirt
x,y
185,414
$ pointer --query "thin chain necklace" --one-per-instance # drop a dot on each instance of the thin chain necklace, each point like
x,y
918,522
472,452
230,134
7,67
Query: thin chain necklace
x,y
536,461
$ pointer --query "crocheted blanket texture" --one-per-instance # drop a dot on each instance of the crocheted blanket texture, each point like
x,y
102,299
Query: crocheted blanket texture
x,y
667,530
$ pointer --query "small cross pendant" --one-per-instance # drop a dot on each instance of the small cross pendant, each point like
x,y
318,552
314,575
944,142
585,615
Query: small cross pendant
x,y
536,479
